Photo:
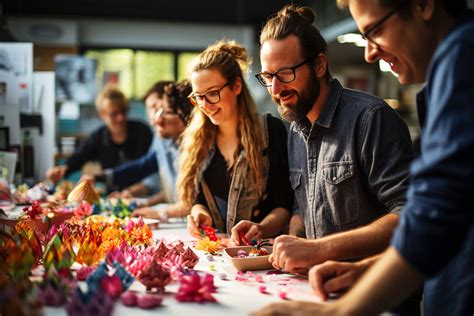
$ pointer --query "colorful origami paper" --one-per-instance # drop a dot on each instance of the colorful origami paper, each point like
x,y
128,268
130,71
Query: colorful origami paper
x,y
84,191
194,288
208,245
155,275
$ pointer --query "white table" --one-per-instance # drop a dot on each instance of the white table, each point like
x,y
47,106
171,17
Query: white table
x,y
233,297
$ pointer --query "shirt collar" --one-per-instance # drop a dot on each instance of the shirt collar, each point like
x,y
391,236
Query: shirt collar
x,y
421,105
329,108
327,114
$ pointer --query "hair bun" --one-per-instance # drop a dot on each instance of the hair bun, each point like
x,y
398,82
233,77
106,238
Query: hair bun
x,y
292,11
236,51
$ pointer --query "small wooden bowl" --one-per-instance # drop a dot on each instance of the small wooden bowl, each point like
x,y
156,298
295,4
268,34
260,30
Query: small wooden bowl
x,y
248,263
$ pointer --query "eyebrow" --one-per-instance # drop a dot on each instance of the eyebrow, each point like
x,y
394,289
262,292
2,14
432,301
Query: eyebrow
x,y
211,88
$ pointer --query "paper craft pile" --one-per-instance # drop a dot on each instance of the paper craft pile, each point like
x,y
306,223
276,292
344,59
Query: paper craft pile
x,y
209,242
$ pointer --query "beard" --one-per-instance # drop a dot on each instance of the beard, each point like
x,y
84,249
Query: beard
x,y
305,101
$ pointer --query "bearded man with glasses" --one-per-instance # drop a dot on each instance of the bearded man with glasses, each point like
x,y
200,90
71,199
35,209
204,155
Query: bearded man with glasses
x,y
349,152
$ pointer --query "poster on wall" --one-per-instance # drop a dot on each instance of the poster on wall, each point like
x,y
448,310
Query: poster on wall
x,y
16,75
75,78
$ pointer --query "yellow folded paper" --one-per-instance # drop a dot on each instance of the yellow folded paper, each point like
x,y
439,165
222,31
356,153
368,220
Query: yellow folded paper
x,y
84,191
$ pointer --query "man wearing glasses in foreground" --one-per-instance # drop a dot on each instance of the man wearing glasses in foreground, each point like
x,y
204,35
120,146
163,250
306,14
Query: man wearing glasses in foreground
x,y
349,152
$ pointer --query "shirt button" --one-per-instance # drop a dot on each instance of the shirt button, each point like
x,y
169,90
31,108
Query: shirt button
x,y
334,178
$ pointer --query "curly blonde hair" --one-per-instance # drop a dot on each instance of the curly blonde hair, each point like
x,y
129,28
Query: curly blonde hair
x,y
232,61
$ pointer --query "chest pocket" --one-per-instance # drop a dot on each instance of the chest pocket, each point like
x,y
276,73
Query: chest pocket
x,y
338,188
296,179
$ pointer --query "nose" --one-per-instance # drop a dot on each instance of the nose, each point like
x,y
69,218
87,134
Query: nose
x,y
276,87
205,105
372,52
158,115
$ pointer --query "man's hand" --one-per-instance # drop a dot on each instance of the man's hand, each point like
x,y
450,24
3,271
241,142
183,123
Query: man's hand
x,y
293,254
250,229
55,174
296,308
332,276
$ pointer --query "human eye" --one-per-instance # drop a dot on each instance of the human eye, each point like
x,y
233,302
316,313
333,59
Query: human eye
x,y
285,73
199,97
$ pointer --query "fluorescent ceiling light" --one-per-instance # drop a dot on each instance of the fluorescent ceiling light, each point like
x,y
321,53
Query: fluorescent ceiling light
x,y
352,38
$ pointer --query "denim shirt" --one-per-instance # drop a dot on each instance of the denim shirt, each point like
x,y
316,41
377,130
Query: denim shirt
x,y
351,165
436,230
162,159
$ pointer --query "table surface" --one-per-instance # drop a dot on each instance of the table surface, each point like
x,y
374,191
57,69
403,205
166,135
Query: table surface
x,y
233,297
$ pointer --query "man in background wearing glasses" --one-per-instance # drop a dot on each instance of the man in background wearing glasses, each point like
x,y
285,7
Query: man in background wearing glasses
x,y
349,152
116,142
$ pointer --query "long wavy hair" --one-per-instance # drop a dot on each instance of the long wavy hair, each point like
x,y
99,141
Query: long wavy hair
x,y
232,61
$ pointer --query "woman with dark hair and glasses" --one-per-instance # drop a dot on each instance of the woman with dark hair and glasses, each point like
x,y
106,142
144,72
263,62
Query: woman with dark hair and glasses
x,y
171,114
233,165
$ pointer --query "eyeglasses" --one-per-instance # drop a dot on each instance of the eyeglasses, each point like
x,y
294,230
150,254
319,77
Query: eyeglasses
x,y
212,97
285,75
367,34
116,113
166,114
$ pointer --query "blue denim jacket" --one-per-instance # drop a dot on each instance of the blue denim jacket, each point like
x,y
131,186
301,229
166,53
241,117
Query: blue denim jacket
x,y
436,230
162,159
351,165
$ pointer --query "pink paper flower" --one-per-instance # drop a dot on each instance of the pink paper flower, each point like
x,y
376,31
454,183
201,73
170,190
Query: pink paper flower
x,y
149,301
51,296
82,210
84,272
155,276
283,295
82,304
115,254
198,289
129,298
112,285
139,264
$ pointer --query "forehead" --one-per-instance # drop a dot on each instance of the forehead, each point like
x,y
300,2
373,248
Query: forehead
x,y
366,12
109,105
206,79
153,100
276,54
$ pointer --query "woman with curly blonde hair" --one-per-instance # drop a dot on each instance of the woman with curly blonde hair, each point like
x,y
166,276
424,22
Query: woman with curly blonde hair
x,y
233,166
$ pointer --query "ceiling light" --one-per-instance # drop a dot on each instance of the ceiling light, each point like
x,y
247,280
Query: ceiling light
x,y
352,38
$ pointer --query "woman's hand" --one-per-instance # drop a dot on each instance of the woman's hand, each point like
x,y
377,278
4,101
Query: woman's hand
x,y
199,217
249,229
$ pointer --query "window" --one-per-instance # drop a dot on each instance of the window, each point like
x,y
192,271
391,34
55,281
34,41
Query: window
x,y
134,71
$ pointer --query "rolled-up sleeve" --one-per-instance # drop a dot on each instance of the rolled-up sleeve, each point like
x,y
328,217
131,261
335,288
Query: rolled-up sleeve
x,y
439,211
387,152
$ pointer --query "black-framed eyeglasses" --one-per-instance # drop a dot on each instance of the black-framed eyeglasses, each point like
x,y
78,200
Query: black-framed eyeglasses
x,y
212,97
285,75
366,35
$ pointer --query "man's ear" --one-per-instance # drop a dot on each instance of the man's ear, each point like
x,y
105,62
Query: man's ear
x,y
425,8
321,65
